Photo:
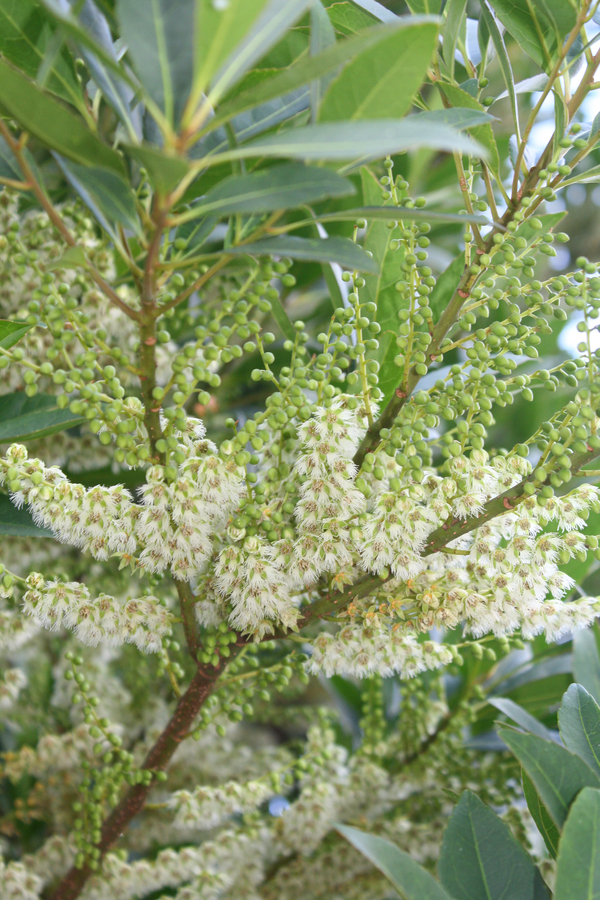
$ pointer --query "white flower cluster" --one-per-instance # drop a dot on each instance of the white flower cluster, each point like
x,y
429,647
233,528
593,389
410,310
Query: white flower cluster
x,y
206,807
362,651
12,683
18,883
14,630
171,529
55,604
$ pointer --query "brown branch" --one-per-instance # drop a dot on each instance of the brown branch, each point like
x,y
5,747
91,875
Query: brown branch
x,y
200,688
186,604
59,224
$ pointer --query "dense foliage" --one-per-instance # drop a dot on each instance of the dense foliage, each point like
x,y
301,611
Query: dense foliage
x,y
275,555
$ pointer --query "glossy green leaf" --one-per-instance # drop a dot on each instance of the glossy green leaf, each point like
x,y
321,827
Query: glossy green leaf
x,y
164,171
244,45
540,815
381,81
380,289
26,38
480,858
51,122
280,187
24,418
94,43
558,775
72,258
283,320
579,725
482,133
395,213
528,85
105,193
538,27
322,36
503,59
376,9
410,880
586,660
332,249
160,39
9,166
354,141
578,863
18,522
347,18
301,73
455,12
12,332
520,716
446,285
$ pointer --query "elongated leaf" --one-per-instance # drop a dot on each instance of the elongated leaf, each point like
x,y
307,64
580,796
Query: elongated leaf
x,y
354,141
160,40
380,82
301,73
480,858
586,661
455,10
505,66
348,18
579,724
281,187
520,716
282,319
376,9
590,176
163,171
24,418
482,133
398,213
540,815
410,880
25,39
322,36
380,289
72,258
539,27
446,285
11,333
578,864
49,121
105,193
18,522
535,83
558,775
332,249
273,20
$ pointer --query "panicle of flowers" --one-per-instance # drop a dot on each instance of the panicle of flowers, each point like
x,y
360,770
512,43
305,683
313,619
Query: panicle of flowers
x,y
18,883
55,604
252,579
12,683
363,651
206,806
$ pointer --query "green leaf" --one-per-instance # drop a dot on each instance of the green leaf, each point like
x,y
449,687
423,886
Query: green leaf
x,y
382,80
322,36
18,522
537,26
540,815
281,187
282,319
72,258
558,775
578,864
12,332
332,249
49,121
410,880
163,170
354,141
24,418
247,29
480,858
160,39
399,213
446,285
482,133
520,716
25,39
455,11
301,73
586,660
348,18
105,193
579,725
590,176
381,288
503,59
